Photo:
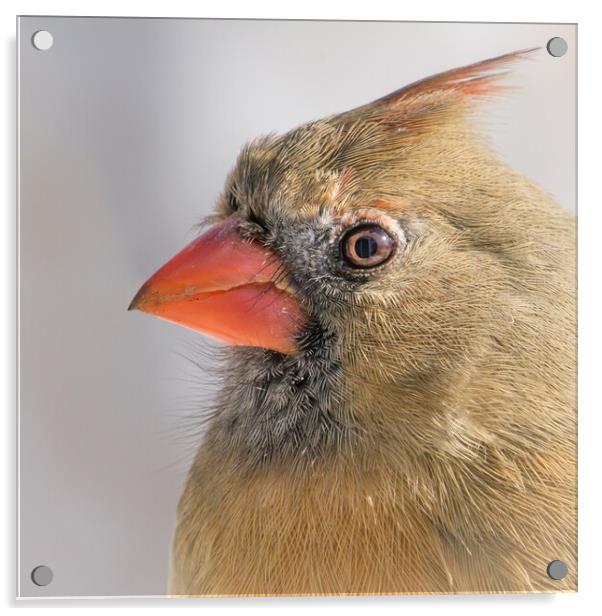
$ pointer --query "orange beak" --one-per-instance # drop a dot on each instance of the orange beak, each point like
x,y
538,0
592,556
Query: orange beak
x,y
226,287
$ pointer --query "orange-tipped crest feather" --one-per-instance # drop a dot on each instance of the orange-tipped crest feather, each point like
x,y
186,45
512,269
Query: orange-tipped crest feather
x,y
475,80
426,103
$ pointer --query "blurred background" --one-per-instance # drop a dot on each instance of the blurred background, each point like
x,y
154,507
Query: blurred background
x,y
127,129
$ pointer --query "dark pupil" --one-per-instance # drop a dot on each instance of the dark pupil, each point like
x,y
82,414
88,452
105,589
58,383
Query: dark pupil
x,y
366,247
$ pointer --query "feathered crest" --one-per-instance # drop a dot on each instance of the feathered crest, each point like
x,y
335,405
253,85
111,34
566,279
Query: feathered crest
x,y
438,93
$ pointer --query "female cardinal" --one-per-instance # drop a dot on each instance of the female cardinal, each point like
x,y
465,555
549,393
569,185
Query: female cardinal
x,y
397,412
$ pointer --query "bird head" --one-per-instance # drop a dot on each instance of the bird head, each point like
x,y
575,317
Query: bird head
x,y
384,238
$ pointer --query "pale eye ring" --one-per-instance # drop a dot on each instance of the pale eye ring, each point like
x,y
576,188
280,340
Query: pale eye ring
x,y
367,245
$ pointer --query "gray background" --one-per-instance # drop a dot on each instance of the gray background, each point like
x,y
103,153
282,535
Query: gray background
x,y
127,130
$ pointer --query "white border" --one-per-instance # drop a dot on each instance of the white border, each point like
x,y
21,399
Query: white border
x,y
590,411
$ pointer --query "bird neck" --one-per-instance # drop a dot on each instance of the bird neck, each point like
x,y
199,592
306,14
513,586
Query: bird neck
x,y
289,410
298,412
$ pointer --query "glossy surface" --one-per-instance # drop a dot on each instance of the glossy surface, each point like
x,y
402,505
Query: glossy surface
x,y
127,131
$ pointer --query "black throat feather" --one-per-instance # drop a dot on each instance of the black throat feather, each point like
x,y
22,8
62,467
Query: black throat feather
x,y
277,409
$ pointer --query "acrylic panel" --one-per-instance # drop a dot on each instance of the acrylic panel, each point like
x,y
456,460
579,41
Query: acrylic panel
x,y
362,375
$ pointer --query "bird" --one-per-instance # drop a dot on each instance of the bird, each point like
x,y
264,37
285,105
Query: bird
x,y
397,409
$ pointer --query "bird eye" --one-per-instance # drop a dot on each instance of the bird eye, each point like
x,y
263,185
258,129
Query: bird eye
x,y
367,246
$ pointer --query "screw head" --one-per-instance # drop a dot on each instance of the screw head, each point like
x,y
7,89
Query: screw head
x,y
42,40
42,575
557,47
557,569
